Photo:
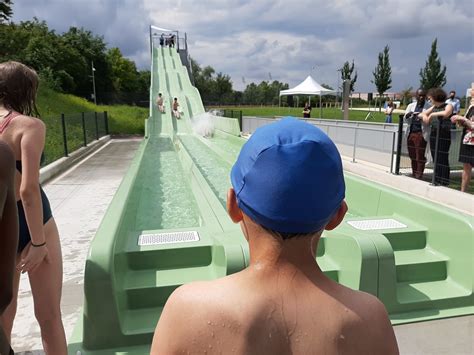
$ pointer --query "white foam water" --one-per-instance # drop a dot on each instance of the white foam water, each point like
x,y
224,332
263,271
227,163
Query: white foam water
x,y
203,125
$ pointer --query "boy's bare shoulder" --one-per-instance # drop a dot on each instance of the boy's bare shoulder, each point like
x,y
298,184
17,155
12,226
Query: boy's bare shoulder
x,y
369,329
196,308
207,296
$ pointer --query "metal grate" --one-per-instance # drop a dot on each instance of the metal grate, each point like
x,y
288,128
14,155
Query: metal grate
x,y
168,238
374,224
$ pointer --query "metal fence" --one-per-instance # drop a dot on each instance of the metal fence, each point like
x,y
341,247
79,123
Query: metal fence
x,y
386,145
69,132
370,142
234,114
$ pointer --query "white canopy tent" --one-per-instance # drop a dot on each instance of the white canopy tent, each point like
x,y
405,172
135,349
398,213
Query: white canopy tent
x,y
308,87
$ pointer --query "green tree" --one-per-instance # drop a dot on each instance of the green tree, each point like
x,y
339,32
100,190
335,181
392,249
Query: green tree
x,y
215,88
250,95
264,93
383,74
5,10
276,87
432,76
124,73
347,70
64,61
223,88
88,48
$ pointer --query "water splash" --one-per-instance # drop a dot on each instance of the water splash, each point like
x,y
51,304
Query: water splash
x,y
203,125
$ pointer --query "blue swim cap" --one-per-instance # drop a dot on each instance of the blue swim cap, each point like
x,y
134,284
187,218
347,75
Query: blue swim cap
x,y
288,177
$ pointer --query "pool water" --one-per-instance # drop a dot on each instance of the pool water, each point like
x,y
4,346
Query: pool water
x,y
165,199
214,169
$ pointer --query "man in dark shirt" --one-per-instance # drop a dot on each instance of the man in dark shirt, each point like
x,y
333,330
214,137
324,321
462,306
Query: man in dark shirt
x,y
416,142
307,110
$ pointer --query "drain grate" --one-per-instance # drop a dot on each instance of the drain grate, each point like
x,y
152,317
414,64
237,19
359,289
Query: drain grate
x,y
374,224
168,238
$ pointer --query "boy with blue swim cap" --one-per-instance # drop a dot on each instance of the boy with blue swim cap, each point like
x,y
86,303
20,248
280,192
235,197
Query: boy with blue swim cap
x,y
288,178
287,187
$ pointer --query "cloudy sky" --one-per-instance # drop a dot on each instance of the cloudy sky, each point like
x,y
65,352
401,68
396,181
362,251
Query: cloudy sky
x,y
284,40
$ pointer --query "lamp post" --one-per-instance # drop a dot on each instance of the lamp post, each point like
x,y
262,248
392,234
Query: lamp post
x,y
93,83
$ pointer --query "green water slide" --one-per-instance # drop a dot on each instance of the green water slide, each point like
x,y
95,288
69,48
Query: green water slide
x,y
167,226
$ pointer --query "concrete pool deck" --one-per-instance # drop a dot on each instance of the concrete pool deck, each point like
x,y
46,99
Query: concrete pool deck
x,y
80,197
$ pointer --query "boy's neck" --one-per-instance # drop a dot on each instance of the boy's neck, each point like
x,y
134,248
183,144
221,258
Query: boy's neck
x,y
268,252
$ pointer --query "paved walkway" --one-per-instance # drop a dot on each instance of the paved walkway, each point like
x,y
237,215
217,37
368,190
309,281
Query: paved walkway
x,y
79,199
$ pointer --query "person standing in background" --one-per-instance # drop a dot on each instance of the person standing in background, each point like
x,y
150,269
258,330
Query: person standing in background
x,y
466,153
417,134
454,101
438,116
307,110
388,111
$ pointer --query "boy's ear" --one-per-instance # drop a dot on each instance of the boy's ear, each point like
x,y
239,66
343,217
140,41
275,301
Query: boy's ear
x,y
337,217
233,209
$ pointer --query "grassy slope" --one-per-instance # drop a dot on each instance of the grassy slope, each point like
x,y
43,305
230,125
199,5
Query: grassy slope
x,y
122,120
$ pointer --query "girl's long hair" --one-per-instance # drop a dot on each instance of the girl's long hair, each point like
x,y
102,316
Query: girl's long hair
x,y
18,87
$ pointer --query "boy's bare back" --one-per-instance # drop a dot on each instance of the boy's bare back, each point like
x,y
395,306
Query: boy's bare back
x,y
280,313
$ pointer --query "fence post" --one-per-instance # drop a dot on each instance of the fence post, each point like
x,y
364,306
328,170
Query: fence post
x,y
84,129
433,180
393,152
63,123
355,144
399,144
106,122
96,126
240,120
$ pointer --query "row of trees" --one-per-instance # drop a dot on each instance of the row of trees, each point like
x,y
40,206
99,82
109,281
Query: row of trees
x,y
432,75
65,61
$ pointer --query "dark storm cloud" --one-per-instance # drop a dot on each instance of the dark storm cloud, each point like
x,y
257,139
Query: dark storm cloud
x,y
122,23
249,39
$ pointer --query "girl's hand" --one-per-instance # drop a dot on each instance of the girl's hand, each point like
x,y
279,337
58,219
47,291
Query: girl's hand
x,y
425,118
32,257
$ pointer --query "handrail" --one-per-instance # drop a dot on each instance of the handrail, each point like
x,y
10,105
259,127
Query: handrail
x,y
358,127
